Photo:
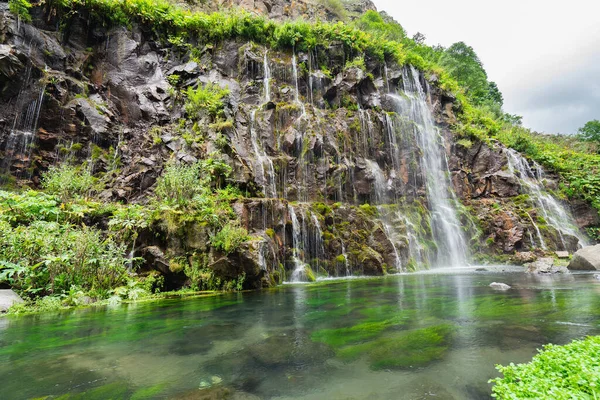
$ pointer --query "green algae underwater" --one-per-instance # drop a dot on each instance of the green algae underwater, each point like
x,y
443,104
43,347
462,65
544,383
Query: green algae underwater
x,y
408,336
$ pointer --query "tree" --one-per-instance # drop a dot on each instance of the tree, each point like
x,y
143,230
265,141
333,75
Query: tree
x,y
463,64
590,131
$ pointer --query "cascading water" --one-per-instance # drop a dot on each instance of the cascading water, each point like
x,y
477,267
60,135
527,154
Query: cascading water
x,y
297,92
551,210
319,250
380,188
452,246
299,273
266,177
21,137
266,78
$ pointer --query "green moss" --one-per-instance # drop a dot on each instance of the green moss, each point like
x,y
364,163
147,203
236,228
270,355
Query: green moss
x,y
403,350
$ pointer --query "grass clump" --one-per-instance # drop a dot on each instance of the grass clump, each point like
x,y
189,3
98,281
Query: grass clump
x,y
571,371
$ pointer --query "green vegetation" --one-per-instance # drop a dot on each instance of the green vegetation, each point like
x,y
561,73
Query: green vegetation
x,y
208,98
68,181
20,8
557,372
590,131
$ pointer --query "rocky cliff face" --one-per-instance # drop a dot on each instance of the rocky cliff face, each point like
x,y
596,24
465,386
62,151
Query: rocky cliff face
x,y
330,155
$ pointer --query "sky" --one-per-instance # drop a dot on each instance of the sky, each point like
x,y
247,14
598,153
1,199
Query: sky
x,y
543,54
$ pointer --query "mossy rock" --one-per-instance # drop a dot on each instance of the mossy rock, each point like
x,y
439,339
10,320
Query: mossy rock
x,y
407,349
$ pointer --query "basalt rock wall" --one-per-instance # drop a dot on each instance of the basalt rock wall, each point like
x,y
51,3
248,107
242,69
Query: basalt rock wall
x,y
305,134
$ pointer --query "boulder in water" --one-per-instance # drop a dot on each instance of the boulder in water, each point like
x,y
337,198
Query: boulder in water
x,y
545,266
586,259
499,286
8,298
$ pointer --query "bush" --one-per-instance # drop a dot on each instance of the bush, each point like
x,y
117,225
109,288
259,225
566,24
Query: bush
x,y
179,184
49,258
20,8
207,98
68,181
557,372
230,238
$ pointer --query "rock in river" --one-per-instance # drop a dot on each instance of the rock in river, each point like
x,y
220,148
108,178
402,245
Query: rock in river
x,y
586,259
499,286
8,298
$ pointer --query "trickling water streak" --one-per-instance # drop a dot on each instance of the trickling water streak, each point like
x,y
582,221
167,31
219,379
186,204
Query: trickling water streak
x,y
299,273
380,189
266,177
452,247
297,92
553,212
539,234
345,255
319,246
267,78
261,256
387,79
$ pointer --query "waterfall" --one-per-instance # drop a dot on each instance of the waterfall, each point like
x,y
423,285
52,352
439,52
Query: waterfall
x,y
446,227
267,78
262,261
319,246
387,78
550,208
265,177
299,273
22,134
345,255
380,188
297,92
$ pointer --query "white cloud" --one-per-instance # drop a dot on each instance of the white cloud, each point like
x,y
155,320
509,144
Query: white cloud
x,y
544,55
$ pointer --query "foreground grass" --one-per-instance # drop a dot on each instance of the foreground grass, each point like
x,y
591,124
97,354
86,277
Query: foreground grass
x,y
564,372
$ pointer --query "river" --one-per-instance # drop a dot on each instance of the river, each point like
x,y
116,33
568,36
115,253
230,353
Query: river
x,y
415,336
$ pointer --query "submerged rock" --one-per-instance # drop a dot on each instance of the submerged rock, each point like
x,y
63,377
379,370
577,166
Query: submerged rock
x,y
586,259
499,286
8,298
545,266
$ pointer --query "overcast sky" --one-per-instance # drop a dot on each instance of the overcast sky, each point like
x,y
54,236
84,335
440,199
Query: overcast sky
x,y
543,54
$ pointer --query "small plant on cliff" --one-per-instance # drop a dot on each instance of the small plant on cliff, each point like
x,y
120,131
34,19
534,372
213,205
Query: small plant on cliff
x,y
179,184
20,8
207,98
230,238
557,372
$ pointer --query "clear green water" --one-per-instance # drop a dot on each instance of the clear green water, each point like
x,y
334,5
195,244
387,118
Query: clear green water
x,y
402,337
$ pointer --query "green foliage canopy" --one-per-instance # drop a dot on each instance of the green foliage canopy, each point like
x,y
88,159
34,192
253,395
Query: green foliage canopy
x,y
590,131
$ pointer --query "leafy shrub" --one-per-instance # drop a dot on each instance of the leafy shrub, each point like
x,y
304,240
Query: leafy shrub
x,y
230,238
557,372
207,98
179,184
68,181
47,257
20,8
